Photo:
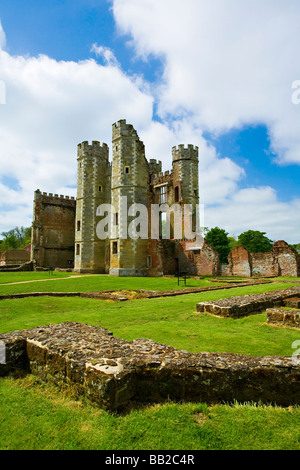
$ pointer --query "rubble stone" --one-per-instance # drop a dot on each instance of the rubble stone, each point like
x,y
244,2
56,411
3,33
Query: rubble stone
x,y
112,372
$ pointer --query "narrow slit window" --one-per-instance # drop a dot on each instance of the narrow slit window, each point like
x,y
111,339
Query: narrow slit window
x,y
114,248
163,194
77,249
78,226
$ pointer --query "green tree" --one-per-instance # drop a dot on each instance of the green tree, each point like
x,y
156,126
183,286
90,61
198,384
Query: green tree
x,y
17,237
297,247
10,242
218,238
233,243
255,241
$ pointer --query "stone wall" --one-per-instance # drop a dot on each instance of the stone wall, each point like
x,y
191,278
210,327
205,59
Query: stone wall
x,y
240,262
206,261
30,266
14,257
282,260
240,306
279,316
113,373
53,230
287,258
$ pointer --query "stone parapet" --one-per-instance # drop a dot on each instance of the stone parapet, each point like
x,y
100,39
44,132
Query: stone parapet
x,y
112,372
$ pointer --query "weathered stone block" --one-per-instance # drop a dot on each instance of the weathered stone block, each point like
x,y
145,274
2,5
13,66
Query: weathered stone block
x,y
112,372
247,304
284,317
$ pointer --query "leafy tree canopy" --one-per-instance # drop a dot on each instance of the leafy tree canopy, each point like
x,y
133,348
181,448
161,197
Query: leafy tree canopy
x,y
297,247
18,237
218,238
255,241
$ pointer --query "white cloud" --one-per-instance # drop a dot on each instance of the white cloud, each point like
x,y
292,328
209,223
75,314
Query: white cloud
x,y
257,209
50,107
227,62
2,37
106,53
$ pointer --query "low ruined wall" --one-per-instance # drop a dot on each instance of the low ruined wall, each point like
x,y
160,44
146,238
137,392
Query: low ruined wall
x,y
287,259
239,306
113,372
282,260
18,267
239,262
283,317
264,264
198,261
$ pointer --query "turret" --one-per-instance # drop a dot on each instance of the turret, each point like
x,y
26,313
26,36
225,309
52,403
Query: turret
x,y
93,189
130,185
186,177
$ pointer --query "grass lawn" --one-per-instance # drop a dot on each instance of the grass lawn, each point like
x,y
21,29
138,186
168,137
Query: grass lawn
x,y
37,416
171,320
6,278
34,415
63,282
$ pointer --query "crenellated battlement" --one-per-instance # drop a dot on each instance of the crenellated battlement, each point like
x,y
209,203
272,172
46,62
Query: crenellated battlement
x,y
162,178
38,194
95,149
155,166
122,129
187,153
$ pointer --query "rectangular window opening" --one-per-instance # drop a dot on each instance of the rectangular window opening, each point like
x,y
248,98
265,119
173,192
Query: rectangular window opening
x,y
114,248
163,195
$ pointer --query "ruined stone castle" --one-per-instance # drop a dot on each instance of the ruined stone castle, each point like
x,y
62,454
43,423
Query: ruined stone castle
x,y
64,229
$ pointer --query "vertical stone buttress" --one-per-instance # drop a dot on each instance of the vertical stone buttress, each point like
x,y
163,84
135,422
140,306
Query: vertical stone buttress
x,y
130,178
93,189
185,178
37,249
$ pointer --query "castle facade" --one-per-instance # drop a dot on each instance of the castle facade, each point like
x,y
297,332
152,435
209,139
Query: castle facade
x,y
128,184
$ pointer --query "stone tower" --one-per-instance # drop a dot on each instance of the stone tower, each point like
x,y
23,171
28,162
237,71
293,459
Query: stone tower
x,y
129,185
185,178
93,189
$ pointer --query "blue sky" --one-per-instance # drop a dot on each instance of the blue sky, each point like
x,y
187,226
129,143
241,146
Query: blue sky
x,y
208,72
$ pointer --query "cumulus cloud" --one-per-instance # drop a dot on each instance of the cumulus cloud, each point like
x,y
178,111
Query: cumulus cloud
x,y
257,209
227,64
51,106
2,37
106,53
